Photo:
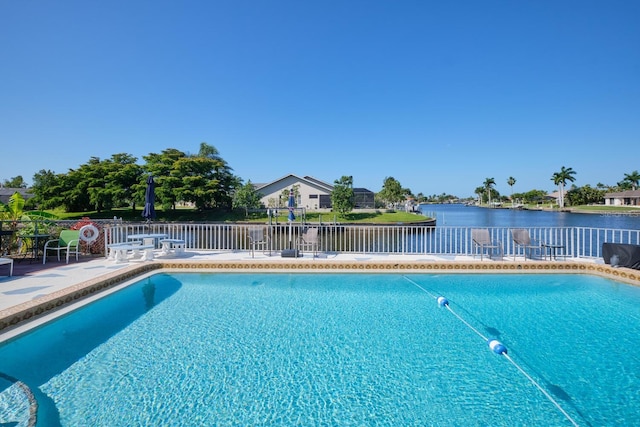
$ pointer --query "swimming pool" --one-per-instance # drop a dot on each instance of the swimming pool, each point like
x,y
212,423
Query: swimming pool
x,y
339,349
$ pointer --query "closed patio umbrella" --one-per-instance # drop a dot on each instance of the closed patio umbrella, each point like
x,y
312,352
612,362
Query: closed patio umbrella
x,y
149,211
291,204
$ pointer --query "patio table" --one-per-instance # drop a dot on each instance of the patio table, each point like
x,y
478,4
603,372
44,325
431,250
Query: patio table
x,y
148,239
552,249
36,239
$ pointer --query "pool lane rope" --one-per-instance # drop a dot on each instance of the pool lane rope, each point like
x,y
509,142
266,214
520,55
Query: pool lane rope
x,y
495,346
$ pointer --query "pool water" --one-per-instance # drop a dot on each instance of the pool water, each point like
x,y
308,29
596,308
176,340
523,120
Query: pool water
x,y
350,350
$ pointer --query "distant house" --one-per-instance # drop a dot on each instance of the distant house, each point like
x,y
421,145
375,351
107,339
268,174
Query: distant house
x,y
623,198
555,197
363,198
312,193
6,193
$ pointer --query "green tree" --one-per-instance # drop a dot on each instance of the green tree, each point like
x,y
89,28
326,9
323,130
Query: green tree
x,y
246,196
195,181
511,182
479,191
14,209
123,180
632,179
15,182
392,192
222,173
342,196
91,183
160,166
14,212
488,186
585,195
560,179
46,190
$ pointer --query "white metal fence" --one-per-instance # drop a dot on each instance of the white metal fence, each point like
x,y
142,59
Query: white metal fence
x,y
375,239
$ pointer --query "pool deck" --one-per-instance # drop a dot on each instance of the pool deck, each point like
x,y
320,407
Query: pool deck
x,y
36,290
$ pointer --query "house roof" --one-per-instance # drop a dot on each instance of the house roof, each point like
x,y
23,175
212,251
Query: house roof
x,y
556,194
628,193
314,182
361,190
6,193
309,180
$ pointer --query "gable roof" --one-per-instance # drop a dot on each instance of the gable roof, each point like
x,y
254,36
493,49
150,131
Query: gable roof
x,y
307,179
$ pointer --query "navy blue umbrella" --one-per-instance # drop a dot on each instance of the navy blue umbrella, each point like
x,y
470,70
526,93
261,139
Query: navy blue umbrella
x,y
291,204
149,211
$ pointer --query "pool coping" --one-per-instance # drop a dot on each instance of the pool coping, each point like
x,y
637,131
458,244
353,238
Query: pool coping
x,y
26,312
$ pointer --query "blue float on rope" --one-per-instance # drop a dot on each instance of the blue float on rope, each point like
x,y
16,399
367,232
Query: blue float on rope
x,y
442,301
497,347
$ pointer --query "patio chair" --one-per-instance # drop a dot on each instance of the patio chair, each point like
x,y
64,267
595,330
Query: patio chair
x,y
310,240
9,262
522,239
258,239
482,242
68,242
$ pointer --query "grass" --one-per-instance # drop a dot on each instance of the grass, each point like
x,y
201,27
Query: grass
x,y
192,215
604,208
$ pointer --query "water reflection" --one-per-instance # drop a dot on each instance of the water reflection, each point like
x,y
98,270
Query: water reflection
x,y
149,291
473,216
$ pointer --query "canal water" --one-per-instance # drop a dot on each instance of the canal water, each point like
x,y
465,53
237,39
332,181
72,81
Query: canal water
x,y
458,215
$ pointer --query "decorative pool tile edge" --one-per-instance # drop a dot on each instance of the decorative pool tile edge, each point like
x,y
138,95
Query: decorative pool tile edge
x,y
21,314
29,311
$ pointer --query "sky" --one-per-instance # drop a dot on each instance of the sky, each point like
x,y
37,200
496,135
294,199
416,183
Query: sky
x,y
439,95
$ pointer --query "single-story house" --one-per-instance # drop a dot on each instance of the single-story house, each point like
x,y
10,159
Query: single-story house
x,y
312,193
6,193
623,198
555,197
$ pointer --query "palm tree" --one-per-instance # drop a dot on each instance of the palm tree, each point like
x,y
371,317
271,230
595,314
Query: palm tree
x,y
632,178
511,181
560,179
478,191
488,183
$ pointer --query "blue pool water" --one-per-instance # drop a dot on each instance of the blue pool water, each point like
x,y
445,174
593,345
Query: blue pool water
x,y
351,350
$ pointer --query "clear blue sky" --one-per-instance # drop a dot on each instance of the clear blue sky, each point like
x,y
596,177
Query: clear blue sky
x,y
439,95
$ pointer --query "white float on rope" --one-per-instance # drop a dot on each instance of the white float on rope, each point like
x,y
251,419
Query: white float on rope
x,y
497,346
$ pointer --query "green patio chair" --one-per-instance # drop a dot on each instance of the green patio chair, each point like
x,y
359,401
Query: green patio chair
x,y
68,242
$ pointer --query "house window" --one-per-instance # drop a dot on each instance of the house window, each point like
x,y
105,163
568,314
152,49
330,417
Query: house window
x,y
313,196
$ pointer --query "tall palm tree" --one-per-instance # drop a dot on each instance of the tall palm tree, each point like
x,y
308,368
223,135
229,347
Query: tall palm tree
x,y
488,184
511,181
478,191
560,179
632,178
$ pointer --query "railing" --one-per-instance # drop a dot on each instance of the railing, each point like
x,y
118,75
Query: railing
x,y
578,242
375,239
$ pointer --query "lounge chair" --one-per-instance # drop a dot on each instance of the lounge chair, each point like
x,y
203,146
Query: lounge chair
x,y
482,242
522,239
68,242
310,240
258,239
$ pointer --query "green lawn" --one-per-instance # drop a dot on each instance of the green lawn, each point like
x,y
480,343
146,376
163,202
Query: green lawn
x,y
603,208
184,214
